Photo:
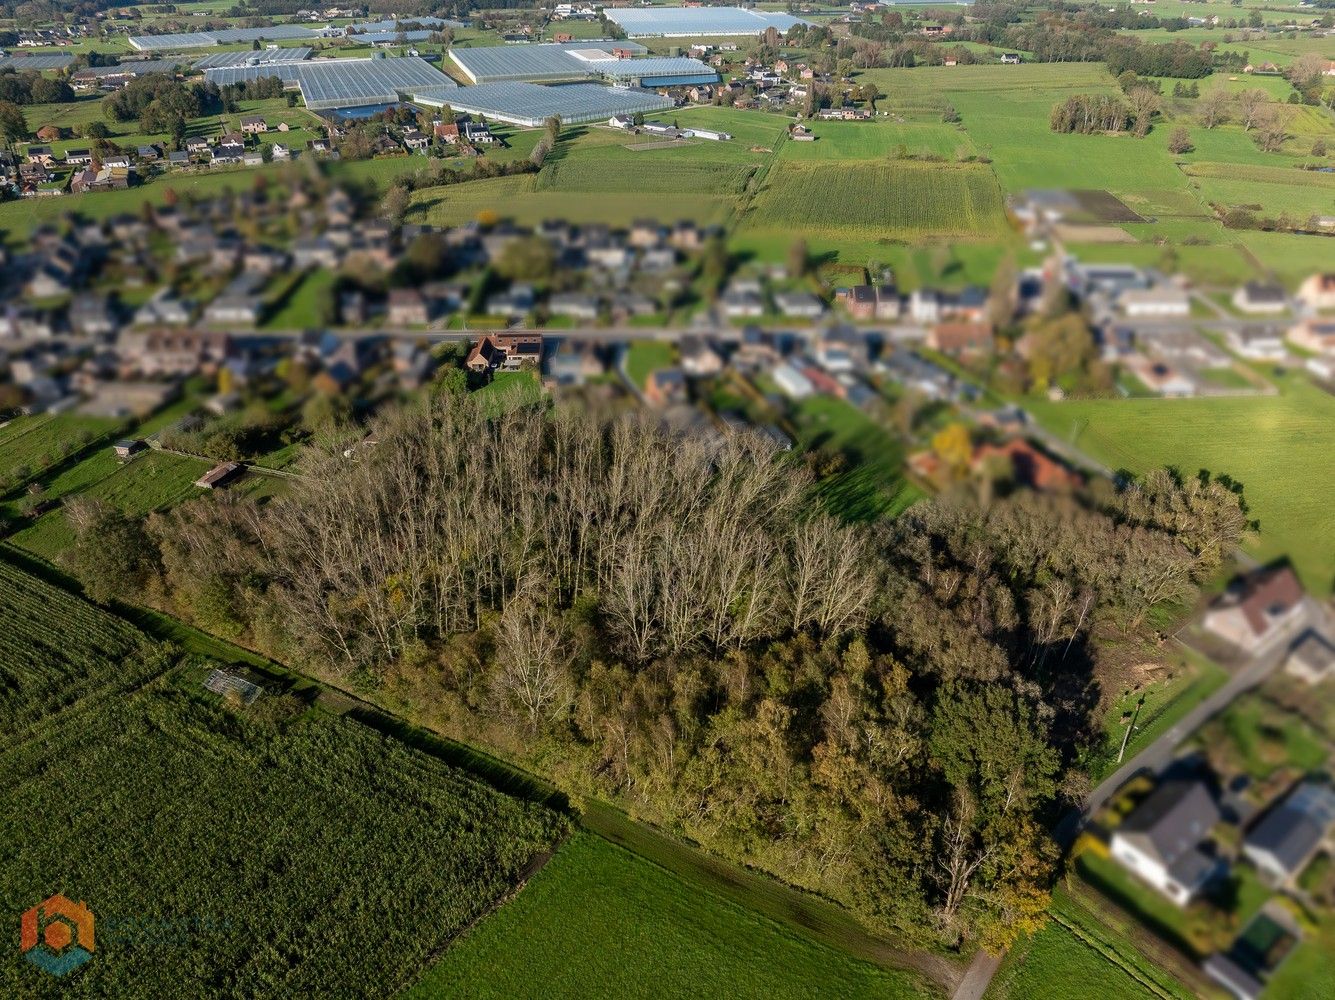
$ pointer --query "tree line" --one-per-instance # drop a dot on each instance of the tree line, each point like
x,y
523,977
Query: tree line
x,y
885,713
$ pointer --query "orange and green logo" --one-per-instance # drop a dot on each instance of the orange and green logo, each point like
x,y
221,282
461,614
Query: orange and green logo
x,y
57,935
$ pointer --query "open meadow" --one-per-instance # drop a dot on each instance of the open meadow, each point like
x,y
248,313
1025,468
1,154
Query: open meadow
x,y
598,921
1277,447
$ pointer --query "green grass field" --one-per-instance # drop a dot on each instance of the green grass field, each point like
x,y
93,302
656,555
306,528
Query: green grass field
x,y
872,482
863,202
153,481
598,921
1278,447
30,445
645,356
1166,701
1078,955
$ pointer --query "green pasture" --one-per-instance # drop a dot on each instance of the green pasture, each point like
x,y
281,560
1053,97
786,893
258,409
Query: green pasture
x,y
1277,447
597,921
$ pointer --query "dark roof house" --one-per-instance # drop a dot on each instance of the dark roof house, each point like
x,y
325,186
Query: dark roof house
x,y
1288,835
1161,840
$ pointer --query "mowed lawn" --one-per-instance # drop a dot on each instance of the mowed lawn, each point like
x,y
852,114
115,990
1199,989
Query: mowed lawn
x,y
598,921
1055,964
1279,448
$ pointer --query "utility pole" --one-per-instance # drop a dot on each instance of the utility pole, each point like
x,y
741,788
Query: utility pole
x,y
1126,737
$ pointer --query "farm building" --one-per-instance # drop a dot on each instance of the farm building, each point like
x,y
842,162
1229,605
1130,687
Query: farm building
x,y
328,84
528,104
689,22
218,475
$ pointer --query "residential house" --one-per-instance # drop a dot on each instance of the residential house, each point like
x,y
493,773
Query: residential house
x,y
698,356
160,353
1316,335
961,339
1256,608
415,140
254,124
237,304
1161,840
869,302
1257,342
791,382
508,351
798,305
1317,292
478,134
447,132
1028,466
407,307
576,305
91,315
41,155
1010,58
625,122
1289,834
78,157
1261,297
1155,302
1312,658
665,387
572,363
163,309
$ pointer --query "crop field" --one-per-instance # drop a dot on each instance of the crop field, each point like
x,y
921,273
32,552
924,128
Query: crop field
x,y
56,649
270,851
598,921
586,173
517,198
1276,446
869,201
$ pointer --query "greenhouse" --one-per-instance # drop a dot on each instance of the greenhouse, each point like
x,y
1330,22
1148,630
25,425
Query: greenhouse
x,y
529,104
